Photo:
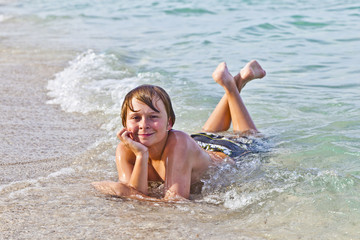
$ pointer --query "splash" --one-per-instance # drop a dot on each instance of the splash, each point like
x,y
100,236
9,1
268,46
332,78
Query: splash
x,y
96,82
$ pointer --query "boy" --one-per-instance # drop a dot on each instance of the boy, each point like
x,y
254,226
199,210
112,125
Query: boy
x,y
150,150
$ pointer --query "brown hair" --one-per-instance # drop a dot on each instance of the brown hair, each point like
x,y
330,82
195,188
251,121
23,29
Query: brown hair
x,y
146,93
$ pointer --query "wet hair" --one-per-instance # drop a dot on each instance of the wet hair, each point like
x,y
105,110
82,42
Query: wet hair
x,y
146,94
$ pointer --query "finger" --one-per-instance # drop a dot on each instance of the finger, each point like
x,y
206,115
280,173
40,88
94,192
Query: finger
x,y
125,139
131,135
134,137
126,136
120,133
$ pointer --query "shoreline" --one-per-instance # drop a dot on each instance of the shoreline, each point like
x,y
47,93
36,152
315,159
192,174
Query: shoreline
x,y
38,138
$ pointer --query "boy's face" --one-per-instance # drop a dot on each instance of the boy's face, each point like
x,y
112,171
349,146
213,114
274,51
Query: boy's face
x,y
146,125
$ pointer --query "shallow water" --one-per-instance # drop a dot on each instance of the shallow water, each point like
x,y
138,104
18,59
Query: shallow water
x,y
75,61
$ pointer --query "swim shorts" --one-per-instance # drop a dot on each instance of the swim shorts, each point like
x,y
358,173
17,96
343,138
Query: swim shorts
x,y
216,143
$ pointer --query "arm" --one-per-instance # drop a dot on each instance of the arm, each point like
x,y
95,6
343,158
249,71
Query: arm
x,y
118,189
179,157
178,173
177,191
132,162
178,180
186,164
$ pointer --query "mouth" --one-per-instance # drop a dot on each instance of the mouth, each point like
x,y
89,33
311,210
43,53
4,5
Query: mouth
x,y
145,135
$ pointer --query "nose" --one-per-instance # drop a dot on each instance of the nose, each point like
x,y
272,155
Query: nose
x,y
144,124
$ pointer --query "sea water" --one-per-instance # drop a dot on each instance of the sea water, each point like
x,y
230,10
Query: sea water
x,y
305,183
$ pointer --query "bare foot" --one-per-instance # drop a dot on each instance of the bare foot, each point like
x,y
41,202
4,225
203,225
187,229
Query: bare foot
x,y
252,70
222,76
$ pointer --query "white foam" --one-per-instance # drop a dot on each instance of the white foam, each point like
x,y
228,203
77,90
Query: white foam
x,y
63,171
4,17
250,183
96,83
20,188
236,200
84,86
17,184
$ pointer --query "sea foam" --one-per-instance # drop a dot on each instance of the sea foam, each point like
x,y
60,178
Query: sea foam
x,y
19,188
96,82
4,17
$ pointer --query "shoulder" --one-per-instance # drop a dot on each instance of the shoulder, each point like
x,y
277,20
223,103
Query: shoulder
x,y
179,153
182,147
179,133
180,140
182,151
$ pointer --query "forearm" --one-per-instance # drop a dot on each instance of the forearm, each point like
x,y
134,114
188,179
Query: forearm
x,y
122,190
139,175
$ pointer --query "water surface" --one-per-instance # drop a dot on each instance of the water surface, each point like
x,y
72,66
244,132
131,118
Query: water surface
x,y
305,185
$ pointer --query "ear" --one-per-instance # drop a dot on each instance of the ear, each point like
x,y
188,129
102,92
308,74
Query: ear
x,y
169,125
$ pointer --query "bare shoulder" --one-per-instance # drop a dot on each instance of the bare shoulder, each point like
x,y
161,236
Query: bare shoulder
x,y
181,141
182,150
181,144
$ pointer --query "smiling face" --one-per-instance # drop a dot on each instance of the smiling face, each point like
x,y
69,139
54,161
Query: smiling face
x,y
148,126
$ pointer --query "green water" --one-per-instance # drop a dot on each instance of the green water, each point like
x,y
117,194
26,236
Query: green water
x,y
305,185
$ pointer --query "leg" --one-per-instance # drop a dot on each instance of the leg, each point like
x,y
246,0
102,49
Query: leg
x,y
231,106
220,118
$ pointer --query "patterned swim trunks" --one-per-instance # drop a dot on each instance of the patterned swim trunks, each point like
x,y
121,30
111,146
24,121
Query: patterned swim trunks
x,y
216,143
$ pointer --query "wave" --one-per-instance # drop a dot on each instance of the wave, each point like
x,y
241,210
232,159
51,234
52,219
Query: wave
x,y
253,182
189,11
4,17
95,83
20,188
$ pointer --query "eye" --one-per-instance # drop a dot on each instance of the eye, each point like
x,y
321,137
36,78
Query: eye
x,y
154,117
135,117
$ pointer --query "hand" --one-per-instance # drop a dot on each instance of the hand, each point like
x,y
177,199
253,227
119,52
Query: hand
x,y
127,138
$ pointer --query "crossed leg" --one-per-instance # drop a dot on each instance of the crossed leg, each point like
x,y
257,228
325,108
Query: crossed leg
x,y
231,107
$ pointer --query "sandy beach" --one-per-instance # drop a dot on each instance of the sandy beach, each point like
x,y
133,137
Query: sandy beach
x,y
37,138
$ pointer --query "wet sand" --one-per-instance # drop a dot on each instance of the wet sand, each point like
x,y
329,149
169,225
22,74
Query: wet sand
x,y
36,138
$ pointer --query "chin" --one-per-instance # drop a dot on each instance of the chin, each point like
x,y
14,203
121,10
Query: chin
x,y
146,143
